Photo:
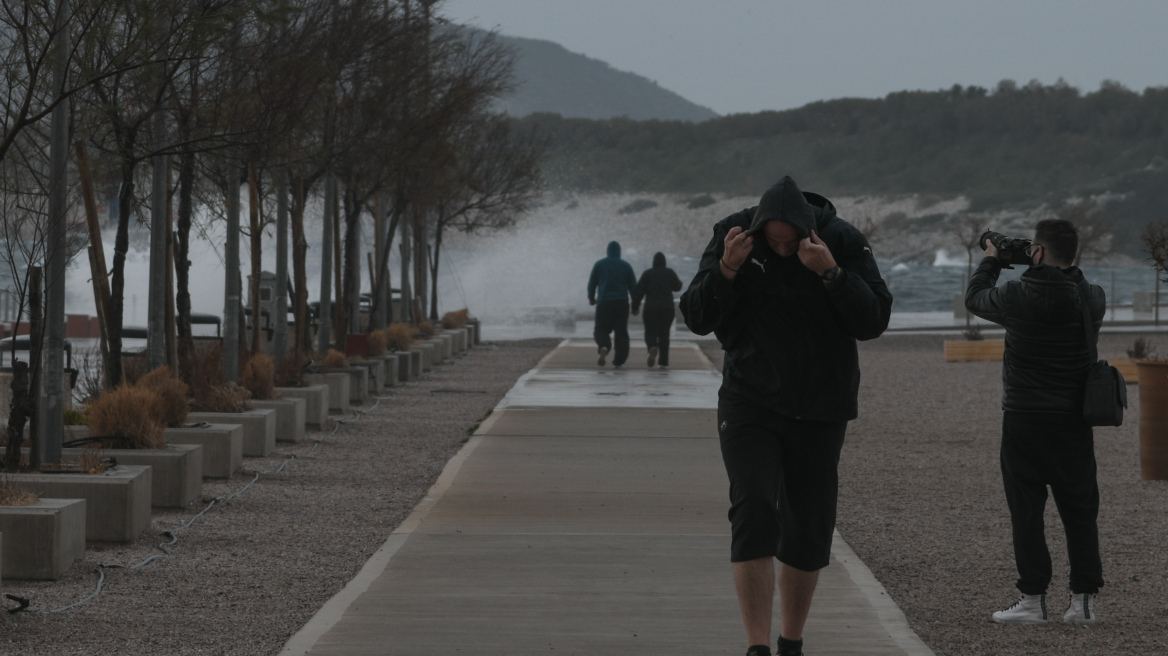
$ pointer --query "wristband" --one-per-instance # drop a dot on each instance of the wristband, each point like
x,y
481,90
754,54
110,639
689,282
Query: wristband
x,y
831,273
723,263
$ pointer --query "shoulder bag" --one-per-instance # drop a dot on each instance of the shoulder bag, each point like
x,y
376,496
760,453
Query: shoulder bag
x,y
1105,395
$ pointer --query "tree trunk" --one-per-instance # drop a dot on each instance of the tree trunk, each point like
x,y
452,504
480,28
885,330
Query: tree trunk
x,y
117,309
299,272
257,336
182,267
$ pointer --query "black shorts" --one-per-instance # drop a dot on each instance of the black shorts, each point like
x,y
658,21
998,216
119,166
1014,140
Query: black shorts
x,y
783,484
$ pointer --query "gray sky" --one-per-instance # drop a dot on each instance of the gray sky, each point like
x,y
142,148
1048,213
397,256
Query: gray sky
x,y
751,55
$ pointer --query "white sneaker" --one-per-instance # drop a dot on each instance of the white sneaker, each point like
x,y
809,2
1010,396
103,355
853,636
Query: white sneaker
x,y
603,352
652,356
1030,609
1082,610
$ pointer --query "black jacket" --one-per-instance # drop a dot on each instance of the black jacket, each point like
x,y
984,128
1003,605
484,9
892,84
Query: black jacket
x,y
656,286
1045,365
790,341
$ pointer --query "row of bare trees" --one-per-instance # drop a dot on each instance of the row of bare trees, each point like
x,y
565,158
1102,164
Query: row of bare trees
x,y
370,112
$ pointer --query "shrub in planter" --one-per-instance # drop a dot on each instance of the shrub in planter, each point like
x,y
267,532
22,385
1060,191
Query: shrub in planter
x,y
290,371
75,418
456,319
12,494
378,343
259,376
335,359
399,335
130,416
173,395
426,329
223,398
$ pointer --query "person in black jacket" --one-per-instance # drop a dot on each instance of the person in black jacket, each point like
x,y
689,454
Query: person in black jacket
x,y
787,287
1045,440
656,286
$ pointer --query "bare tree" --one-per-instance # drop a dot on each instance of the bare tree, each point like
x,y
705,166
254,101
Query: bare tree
x,y
968,229
1094,225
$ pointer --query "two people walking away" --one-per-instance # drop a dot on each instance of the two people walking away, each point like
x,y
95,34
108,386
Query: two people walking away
x,y
609,287
1045,440
788,288
656,287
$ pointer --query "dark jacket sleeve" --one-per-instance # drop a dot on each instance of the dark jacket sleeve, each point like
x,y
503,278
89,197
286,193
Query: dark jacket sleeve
x,y
630,279
675,282
983,297
593,281
861,300
639,291
710,297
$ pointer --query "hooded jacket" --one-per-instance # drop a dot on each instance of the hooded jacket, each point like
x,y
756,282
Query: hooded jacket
x,y
790,340
1044,368
656,286
612,278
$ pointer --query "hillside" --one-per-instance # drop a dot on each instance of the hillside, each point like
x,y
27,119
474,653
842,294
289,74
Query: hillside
x,y
554,80
1012,148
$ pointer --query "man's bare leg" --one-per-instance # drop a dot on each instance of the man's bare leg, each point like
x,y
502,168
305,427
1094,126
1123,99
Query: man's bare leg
x,y
796,588
755,581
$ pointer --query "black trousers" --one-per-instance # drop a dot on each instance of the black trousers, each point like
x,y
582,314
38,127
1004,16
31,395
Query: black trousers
x,y
613,317
783,484
1040,450
658,321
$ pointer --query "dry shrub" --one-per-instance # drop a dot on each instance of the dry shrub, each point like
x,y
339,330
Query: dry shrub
x,y
426,329
90,460
224,398
173,395
75,418
259,376
399,335
129,413
206,368
378,343
12,494
134,367
335,359
290,371
455,319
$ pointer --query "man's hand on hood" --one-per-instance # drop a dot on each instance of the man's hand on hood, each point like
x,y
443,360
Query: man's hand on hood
x,y
815,255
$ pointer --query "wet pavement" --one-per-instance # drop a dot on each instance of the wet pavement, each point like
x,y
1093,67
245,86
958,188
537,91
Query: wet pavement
x,y
587,515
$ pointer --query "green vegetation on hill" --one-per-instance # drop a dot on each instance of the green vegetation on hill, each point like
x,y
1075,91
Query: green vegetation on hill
x,y
1016,146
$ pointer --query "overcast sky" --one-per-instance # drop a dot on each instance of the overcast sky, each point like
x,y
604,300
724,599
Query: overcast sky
x,y
751,55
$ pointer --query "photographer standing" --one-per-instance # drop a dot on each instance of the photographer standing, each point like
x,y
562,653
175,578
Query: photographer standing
x,y
1045,440
788,287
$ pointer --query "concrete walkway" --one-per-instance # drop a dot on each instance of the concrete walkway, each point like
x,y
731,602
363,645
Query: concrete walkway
x,y
587,515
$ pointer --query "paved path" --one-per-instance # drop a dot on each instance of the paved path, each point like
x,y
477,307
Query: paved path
x,y
587,515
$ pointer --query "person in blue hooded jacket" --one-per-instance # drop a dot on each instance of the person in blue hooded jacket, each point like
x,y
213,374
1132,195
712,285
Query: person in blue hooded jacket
x,y
609,287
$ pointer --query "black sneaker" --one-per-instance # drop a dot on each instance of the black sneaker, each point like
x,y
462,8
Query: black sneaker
x,y
652,356
759,650
603,355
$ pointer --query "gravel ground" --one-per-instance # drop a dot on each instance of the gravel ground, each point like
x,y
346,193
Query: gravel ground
x,y
252,571
921,503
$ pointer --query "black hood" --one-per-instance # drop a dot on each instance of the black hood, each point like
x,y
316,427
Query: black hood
x,y
658,259
784,202
613,249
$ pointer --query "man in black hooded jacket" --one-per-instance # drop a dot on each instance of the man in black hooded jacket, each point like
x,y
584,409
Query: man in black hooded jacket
x,y
1045,440
787,287
656,286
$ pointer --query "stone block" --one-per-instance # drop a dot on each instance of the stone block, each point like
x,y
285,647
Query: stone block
x,y
41,540
403,366
259,428
338,389
176,471
417,357
430,354
117,502
391,363
376,368
358,381
316,403
290,416
222,446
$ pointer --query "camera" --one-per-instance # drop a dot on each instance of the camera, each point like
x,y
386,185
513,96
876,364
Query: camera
x,y
1011,250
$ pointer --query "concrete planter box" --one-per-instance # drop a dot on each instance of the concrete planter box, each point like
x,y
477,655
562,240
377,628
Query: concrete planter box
x,y
222,446
117,502
417,357
964,350
403,366
290,416
176,471
431,354
459,337
376,368
259,428
446,341
476,331
390,363
44,539
316,404
338,389
358,381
